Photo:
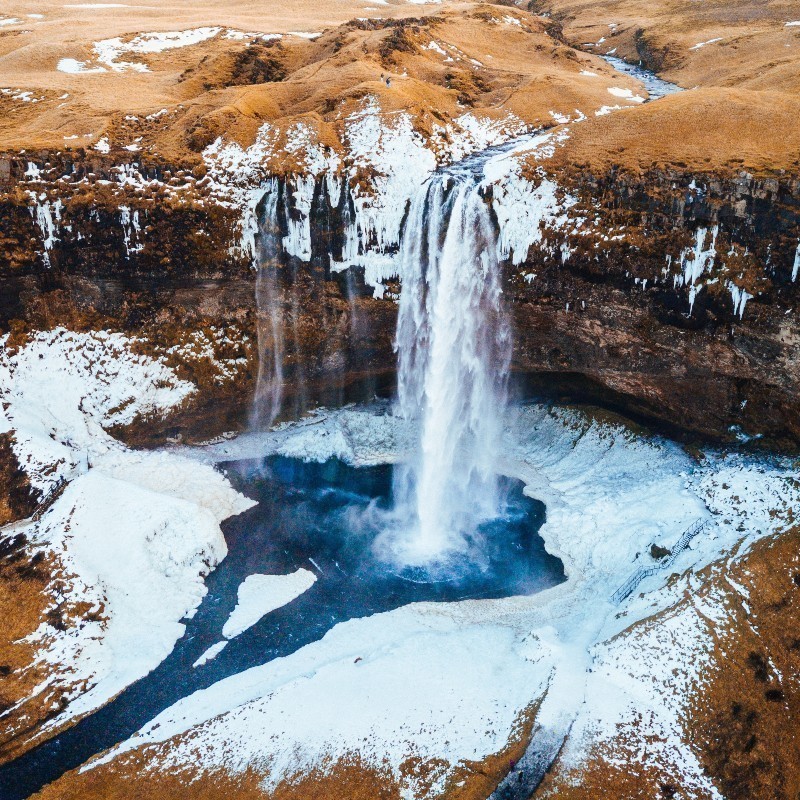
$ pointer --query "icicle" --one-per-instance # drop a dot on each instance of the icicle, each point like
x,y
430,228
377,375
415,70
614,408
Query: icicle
x,y
739,297
701,259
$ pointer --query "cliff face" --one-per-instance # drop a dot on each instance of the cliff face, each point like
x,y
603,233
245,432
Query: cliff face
x,y
668,294
100,251
682,310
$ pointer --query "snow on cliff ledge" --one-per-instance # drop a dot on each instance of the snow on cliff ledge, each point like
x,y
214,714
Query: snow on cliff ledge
x,y
384,162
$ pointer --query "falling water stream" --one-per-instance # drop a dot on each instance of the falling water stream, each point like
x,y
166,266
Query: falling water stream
x,y
454,347
269,382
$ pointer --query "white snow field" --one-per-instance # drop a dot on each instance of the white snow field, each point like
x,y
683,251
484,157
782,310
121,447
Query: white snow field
x,y
133,533
449,681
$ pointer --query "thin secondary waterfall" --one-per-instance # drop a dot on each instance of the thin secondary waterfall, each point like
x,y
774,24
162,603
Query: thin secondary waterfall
x,y
454,345
269,327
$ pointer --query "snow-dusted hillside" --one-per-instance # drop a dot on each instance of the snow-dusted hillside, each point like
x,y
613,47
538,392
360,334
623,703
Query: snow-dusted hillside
x,y
130,534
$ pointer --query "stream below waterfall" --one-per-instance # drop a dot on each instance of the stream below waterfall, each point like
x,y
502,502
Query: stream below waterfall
x,y
306,518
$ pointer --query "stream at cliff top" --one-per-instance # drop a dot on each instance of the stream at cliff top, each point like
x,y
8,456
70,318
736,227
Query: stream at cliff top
x,y
656,87
308,516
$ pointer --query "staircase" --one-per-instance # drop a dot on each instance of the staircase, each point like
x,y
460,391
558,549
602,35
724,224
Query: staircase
x,y
55,492
640,574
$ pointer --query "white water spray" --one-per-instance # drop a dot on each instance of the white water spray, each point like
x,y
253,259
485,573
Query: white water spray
x,y
454,347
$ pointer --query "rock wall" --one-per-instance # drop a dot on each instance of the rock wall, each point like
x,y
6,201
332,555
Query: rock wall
x,y
669,296
679,306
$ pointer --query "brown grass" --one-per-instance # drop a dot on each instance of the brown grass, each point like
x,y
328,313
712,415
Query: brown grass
x,y
756,51
348,779
741,723
17,496
745,725
137,774
224,86
705,130
743,117
24,599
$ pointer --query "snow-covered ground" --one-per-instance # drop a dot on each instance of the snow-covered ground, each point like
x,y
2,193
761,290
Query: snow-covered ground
x,y
449,681
257,595
107,52
133,533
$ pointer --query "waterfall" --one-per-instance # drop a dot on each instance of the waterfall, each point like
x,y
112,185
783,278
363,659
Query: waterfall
x,y
454,346
269,329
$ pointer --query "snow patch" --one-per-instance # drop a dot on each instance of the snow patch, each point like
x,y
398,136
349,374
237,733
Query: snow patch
x,y
210,654
133,533
259,594
74,67
108,51
626,94
703,44
525,209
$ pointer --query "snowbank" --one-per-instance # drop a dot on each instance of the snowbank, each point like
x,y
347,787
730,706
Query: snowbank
x,y
62,389
133,533
413,681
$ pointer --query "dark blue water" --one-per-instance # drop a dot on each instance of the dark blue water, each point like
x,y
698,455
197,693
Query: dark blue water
x,y
321,517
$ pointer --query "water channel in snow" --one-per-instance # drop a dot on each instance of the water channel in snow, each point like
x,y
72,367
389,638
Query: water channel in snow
x,y
306,523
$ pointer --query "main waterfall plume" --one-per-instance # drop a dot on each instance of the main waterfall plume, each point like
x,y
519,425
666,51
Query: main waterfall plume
x,y
454,345
453,348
